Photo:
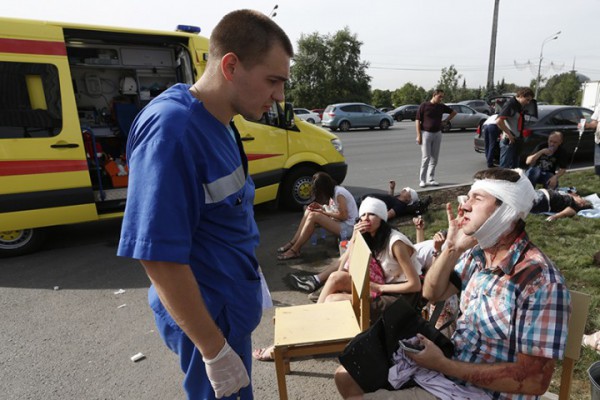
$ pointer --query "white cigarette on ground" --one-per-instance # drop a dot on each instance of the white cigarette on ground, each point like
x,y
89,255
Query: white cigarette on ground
x,y
137,357
122,305
119,291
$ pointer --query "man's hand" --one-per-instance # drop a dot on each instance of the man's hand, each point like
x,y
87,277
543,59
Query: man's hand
x,y
430,357
456,238
226,372
419,140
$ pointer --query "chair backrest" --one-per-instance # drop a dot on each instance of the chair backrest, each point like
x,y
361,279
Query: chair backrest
x,y
359,271
580,304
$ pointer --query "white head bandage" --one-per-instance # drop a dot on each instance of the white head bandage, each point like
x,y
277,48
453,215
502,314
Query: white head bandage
x,y
517,200
373,206
414,197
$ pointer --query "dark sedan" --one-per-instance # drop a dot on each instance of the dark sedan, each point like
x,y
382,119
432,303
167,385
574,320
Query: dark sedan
x,y
407,111
549,119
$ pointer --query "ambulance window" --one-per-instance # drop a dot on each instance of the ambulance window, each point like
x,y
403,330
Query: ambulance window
x,y
30,104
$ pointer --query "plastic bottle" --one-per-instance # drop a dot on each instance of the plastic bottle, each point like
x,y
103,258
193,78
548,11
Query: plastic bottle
x,y
314,238
323,233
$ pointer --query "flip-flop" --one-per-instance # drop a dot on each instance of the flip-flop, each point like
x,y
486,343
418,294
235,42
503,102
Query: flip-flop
x,y
592,341
285,247
289,255
264,354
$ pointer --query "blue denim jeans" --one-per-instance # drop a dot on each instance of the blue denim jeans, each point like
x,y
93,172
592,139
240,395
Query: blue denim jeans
x,y
491,133
510,153
537,176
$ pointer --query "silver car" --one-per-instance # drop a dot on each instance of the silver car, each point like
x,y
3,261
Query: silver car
x,y
465,118
354,115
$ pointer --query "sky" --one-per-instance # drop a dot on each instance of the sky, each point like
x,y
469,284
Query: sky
x,y
403,41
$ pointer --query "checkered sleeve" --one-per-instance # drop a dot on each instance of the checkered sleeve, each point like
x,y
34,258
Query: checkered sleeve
x,y
542,320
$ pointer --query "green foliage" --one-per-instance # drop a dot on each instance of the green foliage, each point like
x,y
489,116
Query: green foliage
x,y
562,89
449,83
409,94
327,69
381,98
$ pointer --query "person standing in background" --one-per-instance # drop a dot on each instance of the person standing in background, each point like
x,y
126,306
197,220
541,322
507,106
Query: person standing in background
x,y
593,124
510,122
189,216
491,135
429,135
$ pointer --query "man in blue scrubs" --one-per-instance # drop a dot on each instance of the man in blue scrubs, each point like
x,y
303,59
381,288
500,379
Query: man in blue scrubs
x,y
189,216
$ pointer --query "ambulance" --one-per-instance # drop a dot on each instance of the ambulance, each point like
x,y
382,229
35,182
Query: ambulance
x,y
68,96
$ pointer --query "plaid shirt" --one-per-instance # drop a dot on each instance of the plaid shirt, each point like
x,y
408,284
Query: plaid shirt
x,y
519,305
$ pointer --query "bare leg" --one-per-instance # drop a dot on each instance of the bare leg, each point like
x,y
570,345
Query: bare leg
x,y
346,385
338,281
307,227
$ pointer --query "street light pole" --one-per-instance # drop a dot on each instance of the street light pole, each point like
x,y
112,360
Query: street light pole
x,y
492,61
554,36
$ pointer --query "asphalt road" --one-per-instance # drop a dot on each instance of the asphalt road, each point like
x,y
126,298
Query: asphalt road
x,y
67,332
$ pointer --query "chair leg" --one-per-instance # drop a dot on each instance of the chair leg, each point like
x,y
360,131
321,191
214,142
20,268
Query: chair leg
x,y
281,369
566,378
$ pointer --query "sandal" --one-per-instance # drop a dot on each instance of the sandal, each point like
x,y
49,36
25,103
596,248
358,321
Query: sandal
x,y
264,354
289,255
592,341
285,247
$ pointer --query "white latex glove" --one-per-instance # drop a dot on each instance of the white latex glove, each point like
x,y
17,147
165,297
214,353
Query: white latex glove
x,y
226,372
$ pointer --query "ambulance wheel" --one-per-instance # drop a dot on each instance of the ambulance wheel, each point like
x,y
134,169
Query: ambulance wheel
x,y
19,242
297,188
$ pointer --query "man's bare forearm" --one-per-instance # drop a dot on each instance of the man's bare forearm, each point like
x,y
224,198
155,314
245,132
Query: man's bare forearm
x,y
179,293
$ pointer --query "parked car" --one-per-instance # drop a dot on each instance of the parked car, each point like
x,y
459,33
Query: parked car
x,y
318,111
549,119
481,106
354,115
465,118
385,109
307,115
407,111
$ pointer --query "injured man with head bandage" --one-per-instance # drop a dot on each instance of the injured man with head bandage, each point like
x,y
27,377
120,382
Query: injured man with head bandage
x,y
514,301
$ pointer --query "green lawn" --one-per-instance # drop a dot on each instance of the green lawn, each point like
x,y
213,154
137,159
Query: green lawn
x,y
571,243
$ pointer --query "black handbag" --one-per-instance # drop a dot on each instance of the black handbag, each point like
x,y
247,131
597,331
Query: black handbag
x,y
368,357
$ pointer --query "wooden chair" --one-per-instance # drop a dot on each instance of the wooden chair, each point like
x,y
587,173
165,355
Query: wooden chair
x,y
580,304
323,328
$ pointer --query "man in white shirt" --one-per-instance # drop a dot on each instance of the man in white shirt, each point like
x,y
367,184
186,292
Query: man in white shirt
x,y
593,124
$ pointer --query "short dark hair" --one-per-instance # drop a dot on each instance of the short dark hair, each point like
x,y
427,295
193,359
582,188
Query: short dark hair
x,y
437,91
524,92
498,173
249,35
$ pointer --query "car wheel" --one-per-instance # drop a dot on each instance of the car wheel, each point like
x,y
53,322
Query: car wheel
x,y
296,189
19,242
384,124
332,129
446,127
310,121
344,126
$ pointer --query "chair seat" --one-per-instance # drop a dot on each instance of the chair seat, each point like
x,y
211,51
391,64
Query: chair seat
x,y
330,322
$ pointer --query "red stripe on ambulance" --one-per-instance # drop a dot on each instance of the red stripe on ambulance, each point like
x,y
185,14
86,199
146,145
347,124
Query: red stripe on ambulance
x,y
8,168
32,47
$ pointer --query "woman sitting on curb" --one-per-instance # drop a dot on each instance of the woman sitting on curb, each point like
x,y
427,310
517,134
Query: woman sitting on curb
x,y
334,209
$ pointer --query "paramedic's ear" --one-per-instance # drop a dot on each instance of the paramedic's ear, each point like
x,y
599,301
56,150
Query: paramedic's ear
x,y
229,62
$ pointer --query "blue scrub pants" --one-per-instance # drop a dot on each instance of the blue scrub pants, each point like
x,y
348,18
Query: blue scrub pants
x,y
196,383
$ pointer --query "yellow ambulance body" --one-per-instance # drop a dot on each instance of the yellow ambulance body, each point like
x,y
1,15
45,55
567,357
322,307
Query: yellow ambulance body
x,y
68,95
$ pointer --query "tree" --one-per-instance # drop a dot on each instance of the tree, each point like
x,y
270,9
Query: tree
x,y
327,69
409,94
449,83
561,89
381,98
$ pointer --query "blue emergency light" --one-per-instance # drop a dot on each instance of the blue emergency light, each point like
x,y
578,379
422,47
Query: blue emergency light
x,y
188,28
